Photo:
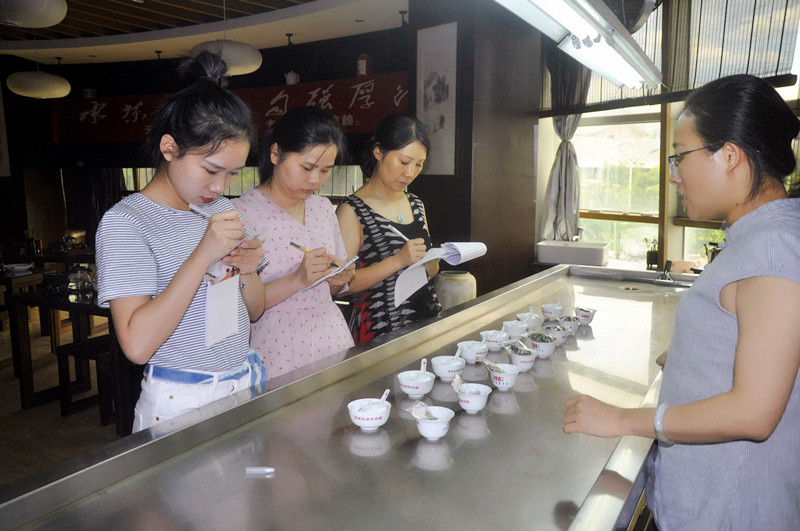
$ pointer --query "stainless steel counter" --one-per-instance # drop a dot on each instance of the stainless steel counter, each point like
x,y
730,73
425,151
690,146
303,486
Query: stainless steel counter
x,y
508,467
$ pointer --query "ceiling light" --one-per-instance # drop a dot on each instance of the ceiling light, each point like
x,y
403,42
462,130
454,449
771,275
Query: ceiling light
x,y
32,13
614,55
239,57
38,84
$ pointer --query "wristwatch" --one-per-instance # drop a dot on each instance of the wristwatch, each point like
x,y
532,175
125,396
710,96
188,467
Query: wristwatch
x,y
657,424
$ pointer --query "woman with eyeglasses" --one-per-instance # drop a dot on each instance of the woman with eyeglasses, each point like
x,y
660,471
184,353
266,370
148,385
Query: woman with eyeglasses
x,y
728,416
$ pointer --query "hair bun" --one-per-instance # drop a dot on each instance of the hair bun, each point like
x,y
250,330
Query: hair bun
x,y
205,65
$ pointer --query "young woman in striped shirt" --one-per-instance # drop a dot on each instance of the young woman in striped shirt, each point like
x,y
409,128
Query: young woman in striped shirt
x,y
154,253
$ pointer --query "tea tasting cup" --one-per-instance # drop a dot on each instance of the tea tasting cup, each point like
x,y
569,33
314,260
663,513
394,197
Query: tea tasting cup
x,y
505,380
558,332
446,367
522,360
369,414
585,315
494,339
472,351
570,322
543,344
370,444
472,397
532,320
514,329
416,384
552,311
435,429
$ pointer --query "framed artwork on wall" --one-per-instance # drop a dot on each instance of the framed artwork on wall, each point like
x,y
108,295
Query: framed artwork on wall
x,y
436,94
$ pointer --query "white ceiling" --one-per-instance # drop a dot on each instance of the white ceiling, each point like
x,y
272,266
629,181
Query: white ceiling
x,y
312,21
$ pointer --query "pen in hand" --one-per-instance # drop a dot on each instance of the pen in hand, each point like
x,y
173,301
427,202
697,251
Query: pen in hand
x,y
405,238
305,250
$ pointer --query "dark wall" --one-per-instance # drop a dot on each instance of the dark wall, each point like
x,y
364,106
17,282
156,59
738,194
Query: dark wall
x,y
35,160
490,198
507,81
447,198
29,135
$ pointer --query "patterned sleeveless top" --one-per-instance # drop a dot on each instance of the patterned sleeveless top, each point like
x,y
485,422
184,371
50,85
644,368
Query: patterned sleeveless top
x,y
374,312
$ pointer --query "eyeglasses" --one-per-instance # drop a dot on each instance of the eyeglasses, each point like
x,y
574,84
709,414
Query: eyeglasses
x,y
675,160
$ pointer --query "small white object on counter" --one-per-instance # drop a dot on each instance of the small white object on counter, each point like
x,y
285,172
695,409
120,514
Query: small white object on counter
x,y
259,470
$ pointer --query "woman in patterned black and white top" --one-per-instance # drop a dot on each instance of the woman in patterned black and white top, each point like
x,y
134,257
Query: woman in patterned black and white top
x,y
393,159
153,254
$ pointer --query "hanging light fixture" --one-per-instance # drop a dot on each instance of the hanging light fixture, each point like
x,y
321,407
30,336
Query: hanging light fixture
x,y
240,57
32,13
37,84
591,33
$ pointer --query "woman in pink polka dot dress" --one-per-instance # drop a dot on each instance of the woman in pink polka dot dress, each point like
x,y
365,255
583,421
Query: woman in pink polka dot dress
x,y
300,325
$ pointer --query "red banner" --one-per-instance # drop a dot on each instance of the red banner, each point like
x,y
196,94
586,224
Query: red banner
x,y
358,104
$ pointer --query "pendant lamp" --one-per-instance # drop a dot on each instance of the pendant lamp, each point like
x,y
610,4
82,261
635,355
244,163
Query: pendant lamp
x,y
32,13
38,84
239,57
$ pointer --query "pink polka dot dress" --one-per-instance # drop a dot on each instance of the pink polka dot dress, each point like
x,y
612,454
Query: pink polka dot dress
x,y
308,326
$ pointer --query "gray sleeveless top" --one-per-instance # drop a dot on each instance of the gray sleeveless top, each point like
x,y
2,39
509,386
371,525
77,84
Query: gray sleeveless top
x,y
741,484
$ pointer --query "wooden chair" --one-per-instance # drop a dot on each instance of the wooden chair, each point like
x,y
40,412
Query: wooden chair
x,y
99,350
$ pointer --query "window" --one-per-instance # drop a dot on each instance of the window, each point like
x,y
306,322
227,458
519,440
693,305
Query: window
x,y
618,159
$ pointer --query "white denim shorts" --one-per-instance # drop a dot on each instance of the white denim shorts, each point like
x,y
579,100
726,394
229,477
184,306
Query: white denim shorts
x,y
163,398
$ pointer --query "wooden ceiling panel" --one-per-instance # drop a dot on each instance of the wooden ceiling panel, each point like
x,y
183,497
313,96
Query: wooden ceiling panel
x,y
92,18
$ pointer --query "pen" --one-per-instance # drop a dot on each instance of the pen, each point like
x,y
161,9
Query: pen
x,y
397,232
197,210
305,250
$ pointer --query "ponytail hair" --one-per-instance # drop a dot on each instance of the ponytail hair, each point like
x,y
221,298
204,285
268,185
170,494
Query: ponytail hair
x,y
394,132
202,116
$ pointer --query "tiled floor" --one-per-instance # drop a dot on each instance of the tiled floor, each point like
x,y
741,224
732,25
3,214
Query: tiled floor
x,y
34,439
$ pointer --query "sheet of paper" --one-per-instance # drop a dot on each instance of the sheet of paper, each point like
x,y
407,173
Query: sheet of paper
x,y
222,310
332,273
415,276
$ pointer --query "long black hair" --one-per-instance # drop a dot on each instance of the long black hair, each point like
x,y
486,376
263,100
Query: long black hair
x,y
395,131
300,129
748,112
203,115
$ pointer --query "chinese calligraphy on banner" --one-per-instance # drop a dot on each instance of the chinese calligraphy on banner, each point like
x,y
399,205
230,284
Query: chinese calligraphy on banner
x,y
358,104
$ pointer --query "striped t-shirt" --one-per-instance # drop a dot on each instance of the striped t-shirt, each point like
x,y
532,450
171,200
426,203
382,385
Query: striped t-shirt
x,y
140,246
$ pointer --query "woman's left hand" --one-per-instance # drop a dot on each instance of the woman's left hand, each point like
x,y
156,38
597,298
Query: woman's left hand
x,y
246,257
340,279
585,414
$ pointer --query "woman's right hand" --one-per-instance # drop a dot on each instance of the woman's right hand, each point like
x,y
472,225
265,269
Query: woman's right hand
x,y
412,252
315,264
224,231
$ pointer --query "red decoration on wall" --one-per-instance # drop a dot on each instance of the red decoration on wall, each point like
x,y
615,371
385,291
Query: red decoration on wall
x,y
358,104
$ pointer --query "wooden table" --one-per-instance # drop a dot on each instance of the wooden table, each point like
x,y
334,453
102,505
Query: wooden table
x,y
126,375
15,284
